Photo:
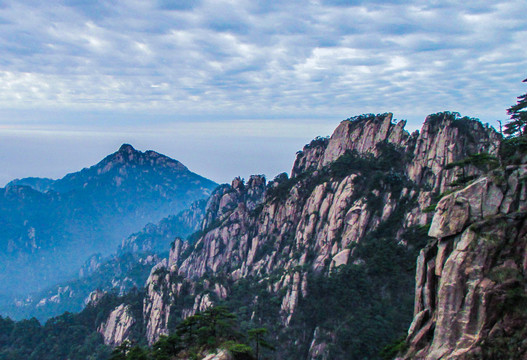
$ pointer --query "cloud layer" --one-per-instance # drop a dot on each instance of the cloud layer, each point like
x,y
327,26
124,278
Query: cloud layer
x,y
263,58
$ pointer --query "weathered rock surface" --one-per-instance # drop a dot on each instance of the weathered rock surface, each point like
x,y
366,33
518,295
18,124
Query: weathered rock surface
x,y
221,354
471,282
117,327
94,297
156,309
280,232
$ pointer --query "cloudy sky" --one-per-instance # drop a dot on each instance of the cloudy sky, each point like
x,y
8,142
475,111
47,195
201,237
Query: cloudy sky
x,y
234,87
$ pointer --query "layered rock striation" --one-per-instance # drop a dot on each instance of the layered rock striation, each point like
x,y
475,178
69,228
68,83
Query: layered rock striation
x,y
471,281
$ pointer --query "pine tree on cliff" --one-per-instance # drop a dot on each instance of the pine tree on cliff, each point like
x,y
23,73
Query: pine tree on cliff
x,y
258,336
518,124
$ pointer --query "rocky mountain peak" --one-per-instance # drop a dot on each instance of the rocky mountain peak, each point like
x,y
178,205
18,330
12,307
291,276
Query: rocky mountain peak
x,y
360,133
89,211
126,149
238,184
370,176
128,156
446,138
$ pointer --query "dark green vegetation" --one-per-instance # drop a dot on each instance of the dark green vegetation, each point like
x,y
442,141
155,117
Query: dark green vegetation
x,y
202,333
358,308
517,126
514,147
86,212
382,172
69,336
73,336
356,311
363,306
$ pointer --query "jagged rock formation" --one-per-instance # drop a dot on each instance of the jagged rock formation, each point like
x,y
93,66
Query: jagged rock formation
x,y
471,281
94,297
370,176
117,327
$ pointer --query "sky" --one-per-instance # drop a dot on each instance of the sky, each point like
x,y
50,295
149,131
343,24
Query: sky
x,y
236,87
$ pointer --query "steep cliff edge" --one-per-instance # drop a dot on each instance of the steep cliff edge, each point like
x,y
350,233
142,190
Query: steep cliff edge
x,y
349,199
471,281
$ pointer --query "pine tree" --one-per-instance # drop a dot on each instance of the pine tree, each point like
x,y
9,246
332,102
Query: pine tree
x,y
258,336
517,126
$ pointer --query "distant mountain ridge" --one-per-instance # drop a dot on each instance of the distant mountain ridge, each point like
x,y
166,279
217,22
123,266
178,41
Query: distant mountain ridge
x,y
324,260
50,227
120,272
126,156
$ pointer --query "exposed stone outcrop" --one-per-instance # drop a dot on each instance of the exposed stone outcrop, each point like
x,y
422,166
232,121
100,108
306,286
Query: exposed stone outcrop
x,y
472,279
220,354
117,327
94,298
156,310
284,230
444,139
363,136
177,249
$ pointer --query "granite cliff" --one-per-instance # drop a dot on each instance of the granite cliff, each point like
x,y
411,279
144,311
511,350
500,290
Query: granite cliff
x,y
352,201
470,282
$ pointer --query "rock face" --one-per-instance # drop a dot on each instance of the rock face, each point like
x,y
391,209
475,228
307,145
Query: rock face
x,y
117,327
370,174
471,282
94,298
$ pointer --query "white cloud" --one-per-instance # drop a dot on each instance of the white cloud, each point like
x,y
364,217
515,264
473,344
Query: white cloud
x,y
243,57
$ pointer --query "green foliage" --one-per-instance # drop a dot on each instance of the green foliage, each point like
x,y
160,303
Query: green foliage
x,y
364,305
462,180
66,336
391,350
517,126
434,119
384,173
280,187
240,351
137,353
167,347
514,148
430,208
483,161
365,117
119,353
502,274
258,337
316,142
